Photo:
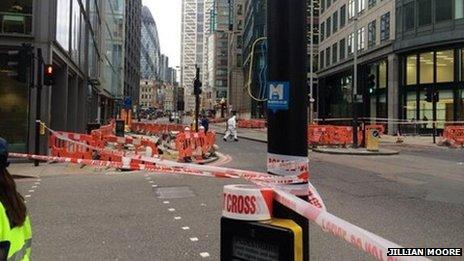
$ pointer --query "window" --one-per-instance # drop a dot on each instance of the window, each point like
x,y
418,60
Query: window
x,y
385,27
426,67
445,13
458,9
63,23
342,48
350,43
322,31
462,67
327,56
16,17
342,16
424,11
361,38
329,2
411,70
445,66
322,6
328,27
408,16
372,3
371,28
351,9
382,75
361,5
321,57
334,52
335,22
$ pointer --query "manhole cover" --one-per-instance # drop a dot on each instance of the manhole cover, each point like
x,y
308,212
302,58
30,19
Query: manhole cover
x,y
174,192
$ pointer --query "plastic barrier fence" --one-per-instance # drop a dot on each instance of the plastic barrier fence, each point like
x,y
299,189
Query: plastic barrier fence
x,y
454,135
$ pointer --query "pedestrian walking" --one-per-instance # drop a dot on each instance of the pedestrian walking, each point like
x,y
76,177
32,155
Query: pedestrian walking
x,y
15,226
205,123
231,128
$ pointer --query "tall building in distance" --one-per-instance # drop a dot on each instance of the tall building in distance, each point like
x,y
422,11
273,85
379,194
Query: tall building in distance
x,y
132,49
150,56
218,42
239,100
192,46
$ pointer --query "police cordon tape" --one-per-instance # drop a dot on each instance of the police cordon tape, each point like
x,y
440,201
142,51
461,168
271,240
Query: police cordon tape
x,y
360,238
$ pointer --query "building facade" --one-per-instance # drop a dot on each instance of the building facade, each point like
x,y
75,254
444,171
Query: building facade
x,y
150,56
147,94
375,58
239,100
430,51
254,30
132,49
192,46
87,60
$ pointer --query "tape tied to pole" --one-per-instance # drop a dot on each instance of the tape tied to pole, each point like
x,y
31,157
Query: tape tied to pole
x,y
247,202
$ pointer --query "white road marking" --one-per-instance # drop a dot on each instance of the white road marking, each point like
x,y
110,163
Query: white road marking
x,y
154,186
177,218
204,254
31,191
203,204
172,209
185,228
37,183
166,202
194,239
27,196
151,181
34,187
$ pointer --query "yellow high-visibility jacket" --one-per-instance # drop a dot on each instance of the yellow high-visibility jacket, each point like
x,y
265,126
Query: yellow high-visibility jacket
x,y
20,238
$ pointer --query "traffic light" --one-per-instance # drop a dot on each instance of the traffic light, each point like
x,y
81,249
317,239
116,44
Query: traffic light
x,y
429,95
49,75
371,84
197,83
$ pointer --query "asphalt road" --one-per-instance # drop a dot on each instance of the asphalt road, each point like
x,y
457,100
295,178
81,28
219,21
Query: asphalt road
x,y
414,199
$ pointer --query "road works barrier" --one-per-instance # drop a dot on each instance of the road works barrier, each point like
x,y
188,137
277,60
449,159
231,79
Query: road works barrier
x,y
252,124
454,135
332,135
195,144
155,128
361,239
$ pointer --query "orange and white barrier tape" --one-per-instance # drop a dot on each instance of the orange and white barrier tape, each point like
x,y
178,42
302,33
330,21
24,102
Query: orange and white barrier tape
x,y
358,237
247,202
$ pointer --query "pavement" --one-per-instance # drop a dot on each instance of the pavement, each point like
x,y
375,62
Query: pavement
x,y
415,199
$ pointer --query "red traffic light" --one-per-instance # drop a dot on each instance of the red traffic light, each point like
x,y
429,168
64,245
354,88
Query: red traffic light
x,y
49,76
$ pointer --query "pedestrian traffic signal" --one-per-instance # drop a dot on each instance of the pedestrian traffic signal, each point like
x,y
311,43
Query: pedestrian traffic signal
x,y
49,75
371,84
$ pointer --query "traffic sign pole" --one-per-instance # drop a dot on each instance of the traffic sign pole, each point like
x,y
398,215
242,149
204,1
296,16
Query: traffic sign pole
x,y
288,102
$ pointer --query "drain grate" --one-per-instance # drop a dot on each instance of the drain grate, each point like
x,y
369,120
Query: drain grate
x,y
174,192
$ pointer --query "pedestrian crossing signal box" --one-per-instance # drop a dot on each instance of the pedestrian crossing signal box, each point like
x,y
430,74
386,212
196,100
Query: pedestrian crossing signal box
x,y
274,240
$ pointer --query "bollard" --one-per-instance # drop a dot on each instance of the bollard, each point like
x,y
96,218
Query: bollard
x,y
249,232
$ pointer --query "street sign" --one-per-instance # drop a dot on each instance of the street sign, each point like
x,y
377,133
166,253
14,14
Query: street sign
x,y
279,94
127,102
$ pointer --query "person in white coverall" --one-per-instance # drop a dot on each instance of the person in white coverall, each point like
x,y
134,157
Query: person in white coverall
x,y
231,128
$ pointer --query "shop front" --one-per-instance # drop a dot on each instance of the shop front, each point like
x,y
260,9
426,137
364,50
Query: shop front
x,y
432,87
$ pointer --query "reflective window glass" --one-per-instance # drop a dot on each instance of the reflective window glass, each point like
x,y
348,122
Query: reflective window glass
x,y
409,17
63,12
411,70
411,106
426,67
445,8
458,9
445,66
424,11
382,75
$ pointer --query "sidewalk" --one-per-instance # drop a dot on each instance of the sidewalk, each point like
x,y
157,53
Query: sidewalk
x,y
260,135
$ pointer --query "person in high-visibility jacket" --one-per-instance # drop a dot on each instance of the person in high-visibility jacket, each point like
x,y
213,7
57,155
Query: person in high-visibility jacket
x,y
15,226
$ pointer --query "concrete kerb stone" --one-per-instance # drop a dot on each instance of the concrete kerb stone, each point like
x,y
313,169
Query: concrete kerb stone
x,y
355,152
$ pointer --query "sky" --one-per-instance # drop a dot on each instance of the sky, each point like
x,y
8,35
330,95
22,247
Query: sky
x,y
168,17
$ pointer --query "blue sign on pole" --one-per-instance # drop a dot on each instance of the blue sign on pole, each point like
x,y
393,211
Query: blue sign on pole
x,y
127,102
279,94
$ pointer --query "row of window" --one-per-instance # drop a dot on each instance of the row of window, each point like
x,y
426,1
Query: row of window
x,y
338,49
331,25
434,67
423,12
325,4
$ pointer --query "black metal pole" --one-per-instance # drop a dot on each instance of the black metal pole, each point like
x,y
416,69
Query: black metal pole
x,y
434,109
287,63
38,104
355,122
197,102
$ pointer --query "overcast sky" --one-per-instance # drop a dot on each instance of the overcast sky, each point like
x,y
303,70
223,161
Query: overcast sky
x,y
168,14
